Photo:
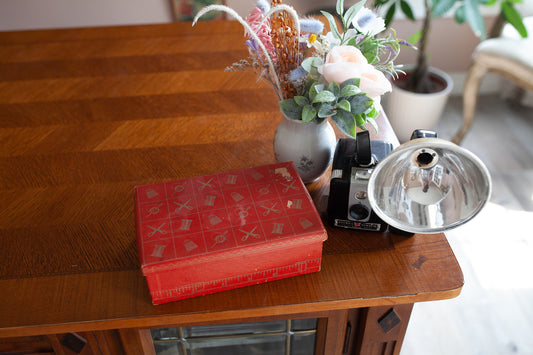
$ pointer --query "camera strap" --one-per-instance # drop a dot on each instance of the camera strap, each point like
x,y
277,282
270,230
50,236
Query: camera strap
x,y
363,148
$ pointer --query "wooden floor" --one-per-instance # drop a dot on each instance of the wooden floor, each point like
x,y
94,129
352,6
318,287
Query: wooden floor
x,y
494,313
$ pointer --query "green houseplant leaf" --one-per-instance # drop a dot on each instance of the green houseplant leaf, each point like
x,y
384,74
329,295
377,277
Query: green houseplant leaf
x,y
442,6
474,18
513,17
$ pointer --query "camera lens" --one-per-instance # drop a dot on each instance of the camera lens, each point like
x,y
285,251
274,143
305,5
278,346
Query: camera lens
x,y
359,212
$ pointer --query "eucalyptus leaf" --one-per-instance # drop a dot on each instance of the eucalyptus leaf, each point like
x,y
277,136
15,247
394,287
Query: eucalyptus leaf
x,y
340,7
324,96
352,11
332,24
311,65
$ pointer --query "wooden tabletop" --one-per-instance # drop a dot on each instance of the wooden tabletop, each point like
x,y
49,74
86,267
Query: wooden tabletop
x,y
87,114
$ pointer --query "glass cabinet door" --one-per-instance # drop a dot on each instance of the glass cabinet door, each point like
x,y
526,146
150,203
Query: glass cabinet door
x,y
289,337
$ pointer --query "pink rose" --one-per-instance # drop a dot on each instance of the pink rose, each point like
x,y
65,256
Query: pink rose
x,y
347,62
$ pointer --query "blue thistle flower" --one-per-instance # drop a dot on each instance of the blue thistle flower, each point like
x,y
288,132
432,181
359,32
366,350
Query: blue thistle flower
x,y
297,74
263,5
366,19
311,25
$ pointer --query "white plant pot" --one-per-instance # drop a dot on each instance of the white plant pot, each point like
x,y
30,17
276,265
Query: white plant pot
x,y
408,111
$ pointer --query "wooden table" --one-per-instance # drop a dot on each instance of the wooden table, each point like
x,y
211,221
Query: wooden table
x,y
87,114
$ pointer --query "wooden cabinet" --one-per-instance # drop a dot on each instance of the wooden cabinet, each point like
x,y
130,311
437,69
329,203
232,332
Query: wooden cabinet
x,y
86,115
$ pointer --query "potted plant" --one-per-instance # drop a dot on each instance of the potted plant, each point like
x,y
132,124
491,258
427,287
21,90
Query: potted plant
x,y
422,82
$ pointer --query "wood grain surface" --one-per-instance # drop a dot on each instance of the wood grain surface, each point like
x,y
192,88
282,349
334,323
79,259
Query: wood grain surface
x,y
87,114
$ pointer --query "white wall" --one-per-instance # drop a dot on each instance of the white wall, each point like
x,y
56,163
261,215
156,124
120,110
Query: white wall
x,y
36,14
450,49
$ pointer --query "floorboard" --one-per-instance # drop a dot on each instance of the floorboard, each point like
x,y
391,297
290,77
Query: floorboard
x,y
494,313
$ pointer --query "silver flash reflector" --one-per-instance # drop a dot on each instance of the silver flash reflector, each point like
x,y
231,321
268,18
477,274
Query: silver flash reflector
x,y
428,185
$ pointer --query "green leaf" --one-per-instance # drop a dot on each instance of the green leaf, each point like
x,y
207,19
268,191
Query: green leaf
x,y
352,81
344,105
332,24
373,122
326,110
352,11
359,103
290,109
301,100
474,18
340,7
349,90
360,120
314,90
406,9
324,96
311,65
389,15
308,113
459,14
334,88
442,6
346,123
416,37
513,17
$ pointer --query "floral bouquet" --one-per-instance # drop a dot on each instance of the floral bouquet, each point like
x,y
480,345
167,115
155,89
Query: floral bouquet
x,y
339,74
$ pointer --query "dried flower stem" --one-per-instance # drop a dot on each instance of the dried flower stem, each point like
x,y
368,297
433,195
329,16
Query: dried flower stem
x,y
251,32
285,38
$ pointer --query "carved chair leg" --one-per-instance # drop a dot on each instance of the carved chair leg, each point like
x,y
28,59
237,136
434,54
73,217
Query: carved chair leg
x,y
470,92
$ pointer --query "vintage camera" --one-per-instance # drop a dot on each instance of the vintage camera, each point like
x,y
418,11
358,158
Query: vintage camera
x,y
353,163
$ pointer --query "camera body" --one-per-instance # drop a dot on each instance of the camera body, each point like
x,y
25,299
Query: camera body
x,y
353,164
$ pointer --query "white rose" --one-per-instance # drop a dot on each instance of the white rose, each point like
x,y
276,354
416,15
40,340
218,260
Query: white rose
x,y
347,62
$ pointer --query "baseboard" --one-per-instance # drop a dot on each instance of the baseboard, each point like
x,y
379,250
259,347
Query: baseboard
x,y
490,84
